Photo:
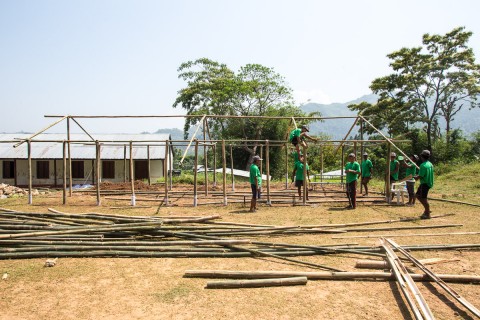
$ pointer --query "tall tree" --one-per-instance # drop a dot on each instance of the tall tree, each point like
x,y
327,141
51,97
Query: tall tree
x,y
432,81
256,90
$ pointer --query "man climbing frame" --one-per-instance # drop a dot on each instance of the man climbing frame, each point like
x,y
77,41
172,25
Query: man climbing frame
x,y
298,135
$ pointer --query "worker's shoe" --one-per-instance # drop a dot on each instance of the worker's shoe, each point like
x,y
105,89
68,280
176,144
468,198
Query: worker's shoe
x,y
425,216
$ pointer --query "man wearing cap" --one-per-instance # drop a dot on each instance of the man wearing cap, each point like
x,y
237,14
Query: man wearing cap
x,y
425,174
411,172
298,175
297,136
352,169
255,182
367,172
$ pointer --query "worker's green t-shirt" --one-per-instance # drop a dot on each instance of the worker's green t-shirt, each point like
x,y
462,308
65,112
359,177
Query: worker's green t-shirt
x,y
295,157
295,133
393,165
255,172
426,173
299,170
366,166
412,170
352,166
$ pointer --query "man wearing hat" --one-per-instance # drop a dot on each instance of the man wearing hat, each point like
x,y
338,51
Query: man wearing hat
x,y
352,169
297,136
367,172
425,174
255,182
297,174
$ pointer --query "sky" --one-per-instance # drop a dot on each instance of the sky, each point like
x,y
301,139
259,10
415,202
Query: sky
x,y
120,57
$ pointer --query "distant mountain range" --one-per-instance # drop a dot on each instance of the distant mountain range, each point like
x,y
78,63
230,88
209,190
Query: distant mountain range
x,y
467,120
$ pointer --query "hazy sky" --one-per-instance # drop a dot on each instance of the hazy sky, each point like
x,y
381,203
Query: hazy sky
x,y
119,57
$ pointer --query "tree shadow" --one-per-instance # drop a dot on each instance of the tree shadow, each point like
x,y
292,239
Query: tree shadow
x,y
398,295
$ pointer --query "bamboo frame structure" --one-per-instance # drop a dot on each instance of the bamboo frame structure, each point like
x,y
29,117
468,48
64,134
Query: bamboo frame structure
x,y
203,122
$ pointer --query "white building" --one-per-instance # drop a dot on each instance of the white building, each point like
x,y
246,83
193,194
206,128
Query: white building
x,y
47,154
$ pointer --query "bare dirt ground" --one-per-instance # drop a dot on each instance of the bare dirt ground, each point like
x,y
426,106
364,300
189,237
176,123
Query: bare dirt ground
x,y
154,288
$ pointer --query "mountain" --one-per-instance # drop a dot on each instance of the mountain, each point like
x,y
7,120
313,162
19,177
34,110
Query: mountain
x,y
467,119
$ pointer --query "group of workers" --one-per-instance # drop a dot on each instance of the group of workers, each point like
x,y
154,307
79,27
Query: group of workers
x,y
353,171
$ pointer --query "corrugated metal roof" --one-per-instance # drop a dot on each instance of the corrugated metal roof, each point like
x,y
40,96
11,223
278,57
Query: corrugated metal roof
x,y
112,146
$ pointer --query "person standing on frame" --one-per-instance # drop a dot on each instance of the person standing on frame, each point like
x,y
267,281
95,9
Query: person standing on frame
x,y
352,169
298,175
367,172
412,172
297,138
425,175
255,182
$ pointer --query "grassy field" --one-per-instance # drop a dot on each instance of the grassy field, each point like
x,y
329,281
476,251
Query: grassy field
x,y
154,288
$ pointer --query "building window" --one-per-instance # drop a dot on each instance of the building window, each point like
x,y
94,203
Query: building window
x,y
8,169
78,171
108,169
43,171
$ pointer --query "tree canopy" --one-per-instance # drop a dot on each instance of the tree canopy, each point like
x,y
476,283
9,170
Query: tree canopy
x,y
429,82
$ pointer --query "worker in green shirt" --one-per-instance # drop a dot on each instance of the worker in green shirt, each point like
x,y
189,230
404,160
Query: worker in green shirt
x,y
255,182
425,174
298,175
367,172
352,169
297,137
394,167
411,172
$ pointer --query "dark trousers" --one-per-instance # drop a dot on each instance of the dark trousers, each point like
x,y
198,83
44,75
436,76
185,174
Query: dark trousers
x,y
352,193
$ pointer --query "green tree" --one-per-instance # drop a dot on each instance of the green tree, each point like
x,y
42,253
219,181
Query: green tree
x,y
431,81
212,88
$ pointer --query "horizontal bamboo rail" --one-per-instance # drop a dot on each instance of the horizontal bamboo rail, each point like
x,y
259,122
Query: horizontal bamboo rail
x,y
276,282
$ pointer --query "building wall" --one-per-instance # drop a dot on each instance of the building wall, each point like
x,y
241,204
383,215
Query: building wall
x,y
156,172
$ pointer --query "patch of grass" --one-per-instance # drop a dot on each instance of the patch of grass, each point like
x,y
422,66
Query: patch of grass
x,y
173,294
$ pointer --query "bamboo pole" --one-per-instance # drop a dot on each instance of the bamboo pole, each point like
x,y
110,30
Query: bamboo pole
x,y
191,140
132,175
97,176
435,278
149,168
125,163
362,151
165,172
224,173
286,166
64,172
231,167
70,177
409,235
454,201
41,131
205,159
267,164
214,150
343,168
195,172
305,181
321,275
346,136
277,282
30,191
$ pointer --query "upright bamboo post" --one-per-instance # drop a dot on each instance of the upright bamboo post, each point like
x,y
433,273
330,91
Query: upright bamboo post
x,y
195,165
29,151
70,182
321,163
388,173
55,173
362,151
261,156
231,168
64,172
224,166
304,198
267,164
132,178
214,149
149,167
125,163
97,175
165,171
205,159
355,149
170,163
286,166
343,167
